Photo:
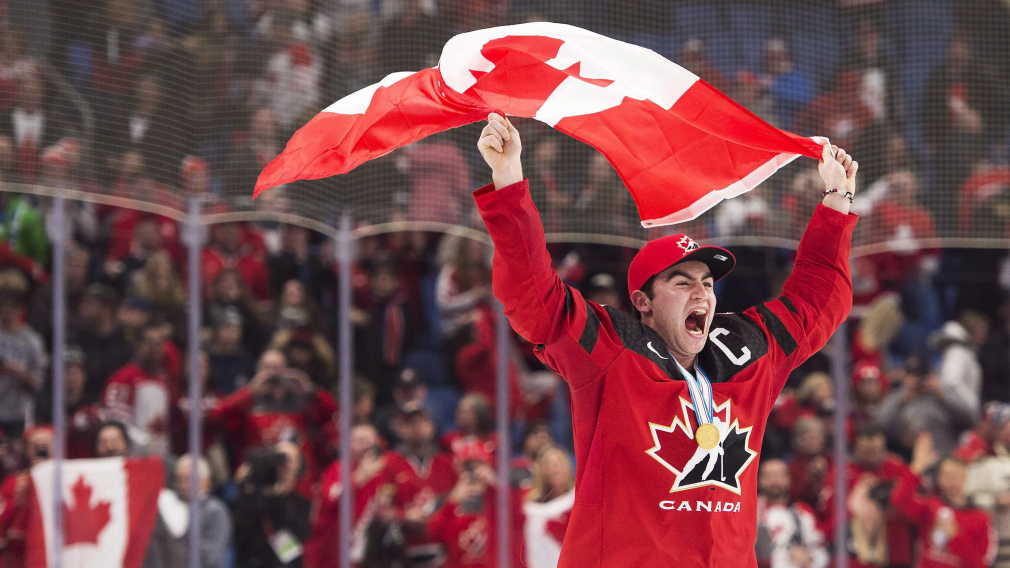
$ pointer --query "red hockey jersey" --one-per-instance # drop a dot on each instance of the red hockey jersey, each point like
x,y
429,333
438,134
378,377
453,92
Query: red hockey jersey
x,y
646,494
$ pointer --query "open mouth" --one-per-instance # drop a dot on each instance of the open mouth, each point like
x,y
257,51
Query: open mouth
x,y
695,322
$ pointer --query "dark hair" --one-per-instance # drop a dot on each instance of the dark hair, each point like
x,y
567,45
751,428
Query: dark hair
x,y
482,410
868,429
109,424
649,293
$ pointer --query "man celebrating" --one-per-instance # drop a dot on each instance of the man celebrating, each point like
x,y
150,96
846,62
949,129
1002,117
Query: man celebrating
x,y
669,408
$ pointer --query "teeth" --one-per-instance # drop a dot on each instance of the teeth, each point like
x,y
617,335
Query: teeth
x,y
699,312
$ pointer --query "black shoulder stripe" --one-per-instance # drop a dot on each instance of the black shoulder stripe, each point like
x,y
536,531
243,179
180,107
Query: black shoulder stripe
x,y
788,304
591,331
569,301
778,330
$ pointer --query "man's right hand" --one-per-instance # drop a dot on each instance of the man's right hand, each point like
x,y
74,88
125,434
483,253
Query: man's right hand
x,y
500,145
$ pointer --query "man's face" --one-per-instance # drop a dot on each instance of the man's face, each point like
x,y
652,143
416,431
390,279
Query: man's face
x,y
362,439
74,379
273,363
417,430
682,306
950,479
40,446
150,348
111,443
773,479
870,451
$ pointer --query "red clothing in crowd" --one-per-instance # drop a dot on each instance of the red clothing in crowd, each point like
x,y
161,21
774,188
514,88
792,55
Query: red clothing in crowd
x,y
322,548
899,537
252,423
420,485
16,494
803,488
973,447
470,537
646,494
249,260
142,401
457,441
972,543
477,363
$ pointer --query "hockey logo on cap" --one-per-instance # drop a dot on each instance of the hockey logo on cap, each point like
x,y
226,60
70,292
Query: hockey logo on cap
x,y
687,243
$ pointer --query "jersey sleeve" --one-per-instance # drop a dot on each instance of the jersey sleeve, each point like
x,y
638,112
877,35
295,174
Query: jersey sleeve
x,y
816,298
906,500
572,336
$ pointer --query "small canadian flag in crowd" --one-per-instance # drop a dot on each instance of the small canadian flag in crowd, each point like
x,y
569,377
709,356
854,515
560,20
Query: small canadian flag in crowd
x,y
109,509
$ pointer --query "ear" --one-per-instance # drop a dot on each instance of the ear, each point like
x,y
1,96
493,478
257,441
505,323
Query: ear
x,y
641,301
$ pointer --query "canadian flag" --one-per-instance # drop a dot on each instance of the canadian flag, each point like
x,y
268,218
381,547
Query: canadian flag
x,y
680,145
109,509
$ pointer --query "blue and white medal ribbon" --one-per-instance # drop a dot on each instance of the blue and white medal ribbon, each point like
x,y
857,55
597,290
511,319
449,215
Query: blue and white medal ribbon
x,y
707,435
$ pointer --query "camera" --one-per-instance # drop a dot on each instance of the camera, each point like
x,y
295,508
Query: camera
x,y
264,467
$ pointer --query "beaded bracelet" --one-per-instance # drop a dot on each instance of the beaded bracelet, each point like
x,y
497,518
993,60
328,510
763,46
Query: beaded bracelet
x,y
846,194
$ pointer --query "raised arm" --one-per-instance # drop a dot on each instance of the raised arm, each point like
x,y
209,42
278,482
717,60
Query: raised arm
x,y
817,296
556,318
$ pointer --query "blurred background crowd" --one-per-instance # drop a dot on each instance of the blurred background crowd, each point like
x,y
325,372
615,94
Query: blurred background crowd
x,y
157,101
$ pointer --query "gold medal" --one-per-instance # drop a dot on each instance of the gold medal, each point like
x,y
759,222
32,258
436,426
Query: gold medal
x,y
707,436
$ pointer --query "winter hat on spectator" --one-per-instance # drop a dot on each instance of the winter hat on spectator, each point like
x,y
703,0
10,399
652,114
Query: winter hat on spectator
x,y
951,333
867,370
662,253
408,378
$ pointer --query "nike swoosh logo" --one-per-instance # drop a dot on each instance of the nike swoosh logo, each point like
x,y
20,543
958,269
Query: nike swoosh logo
x,y
653,349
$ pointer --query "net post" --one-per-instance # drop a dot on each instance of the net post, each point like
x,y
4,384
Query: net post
x,y
840,372
194,317
345,261
504,528
58,234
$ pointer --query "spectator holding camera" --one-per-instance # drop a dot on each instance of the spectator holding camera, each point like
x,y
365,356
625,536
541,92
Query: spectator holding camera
x,y
988,484
280,404
952,531
795,539
872,473
921,404
271,516
16,495
466,522
423,475
371,482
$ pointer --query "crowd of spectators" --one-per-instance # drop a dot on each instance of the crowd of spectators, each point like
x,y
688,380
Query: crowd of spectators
x,y
194,98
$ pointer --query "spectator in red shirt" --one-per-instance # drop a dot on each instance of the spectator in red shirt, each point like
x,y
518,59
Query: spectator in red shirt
x,y
810,462
980,441
370,478
229,248
17,494
873,466
869,387
423,474
139,394
466,523
280,404
952,531
474,423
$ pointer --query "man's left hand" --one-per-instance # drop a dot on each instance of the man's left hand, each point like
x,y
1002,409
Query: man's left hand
x,y
838,170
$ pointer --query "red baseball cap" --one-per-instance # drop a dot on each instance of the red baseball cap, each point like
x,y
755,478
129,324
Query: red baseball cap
x,y
660,254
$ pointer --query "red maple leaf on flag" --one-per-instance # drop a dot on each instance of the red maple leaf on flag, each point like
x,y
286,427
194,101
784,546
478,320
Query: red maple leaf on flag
x,y
82,522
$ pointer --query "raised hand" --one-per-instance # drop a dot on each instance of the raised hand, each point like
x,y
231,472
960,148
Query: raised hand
x,y
500,146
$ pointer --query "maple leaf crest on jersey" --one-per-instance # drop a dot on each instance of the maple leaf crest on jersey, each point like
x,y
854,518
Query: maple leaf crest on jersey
x,y
676,450
687,243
